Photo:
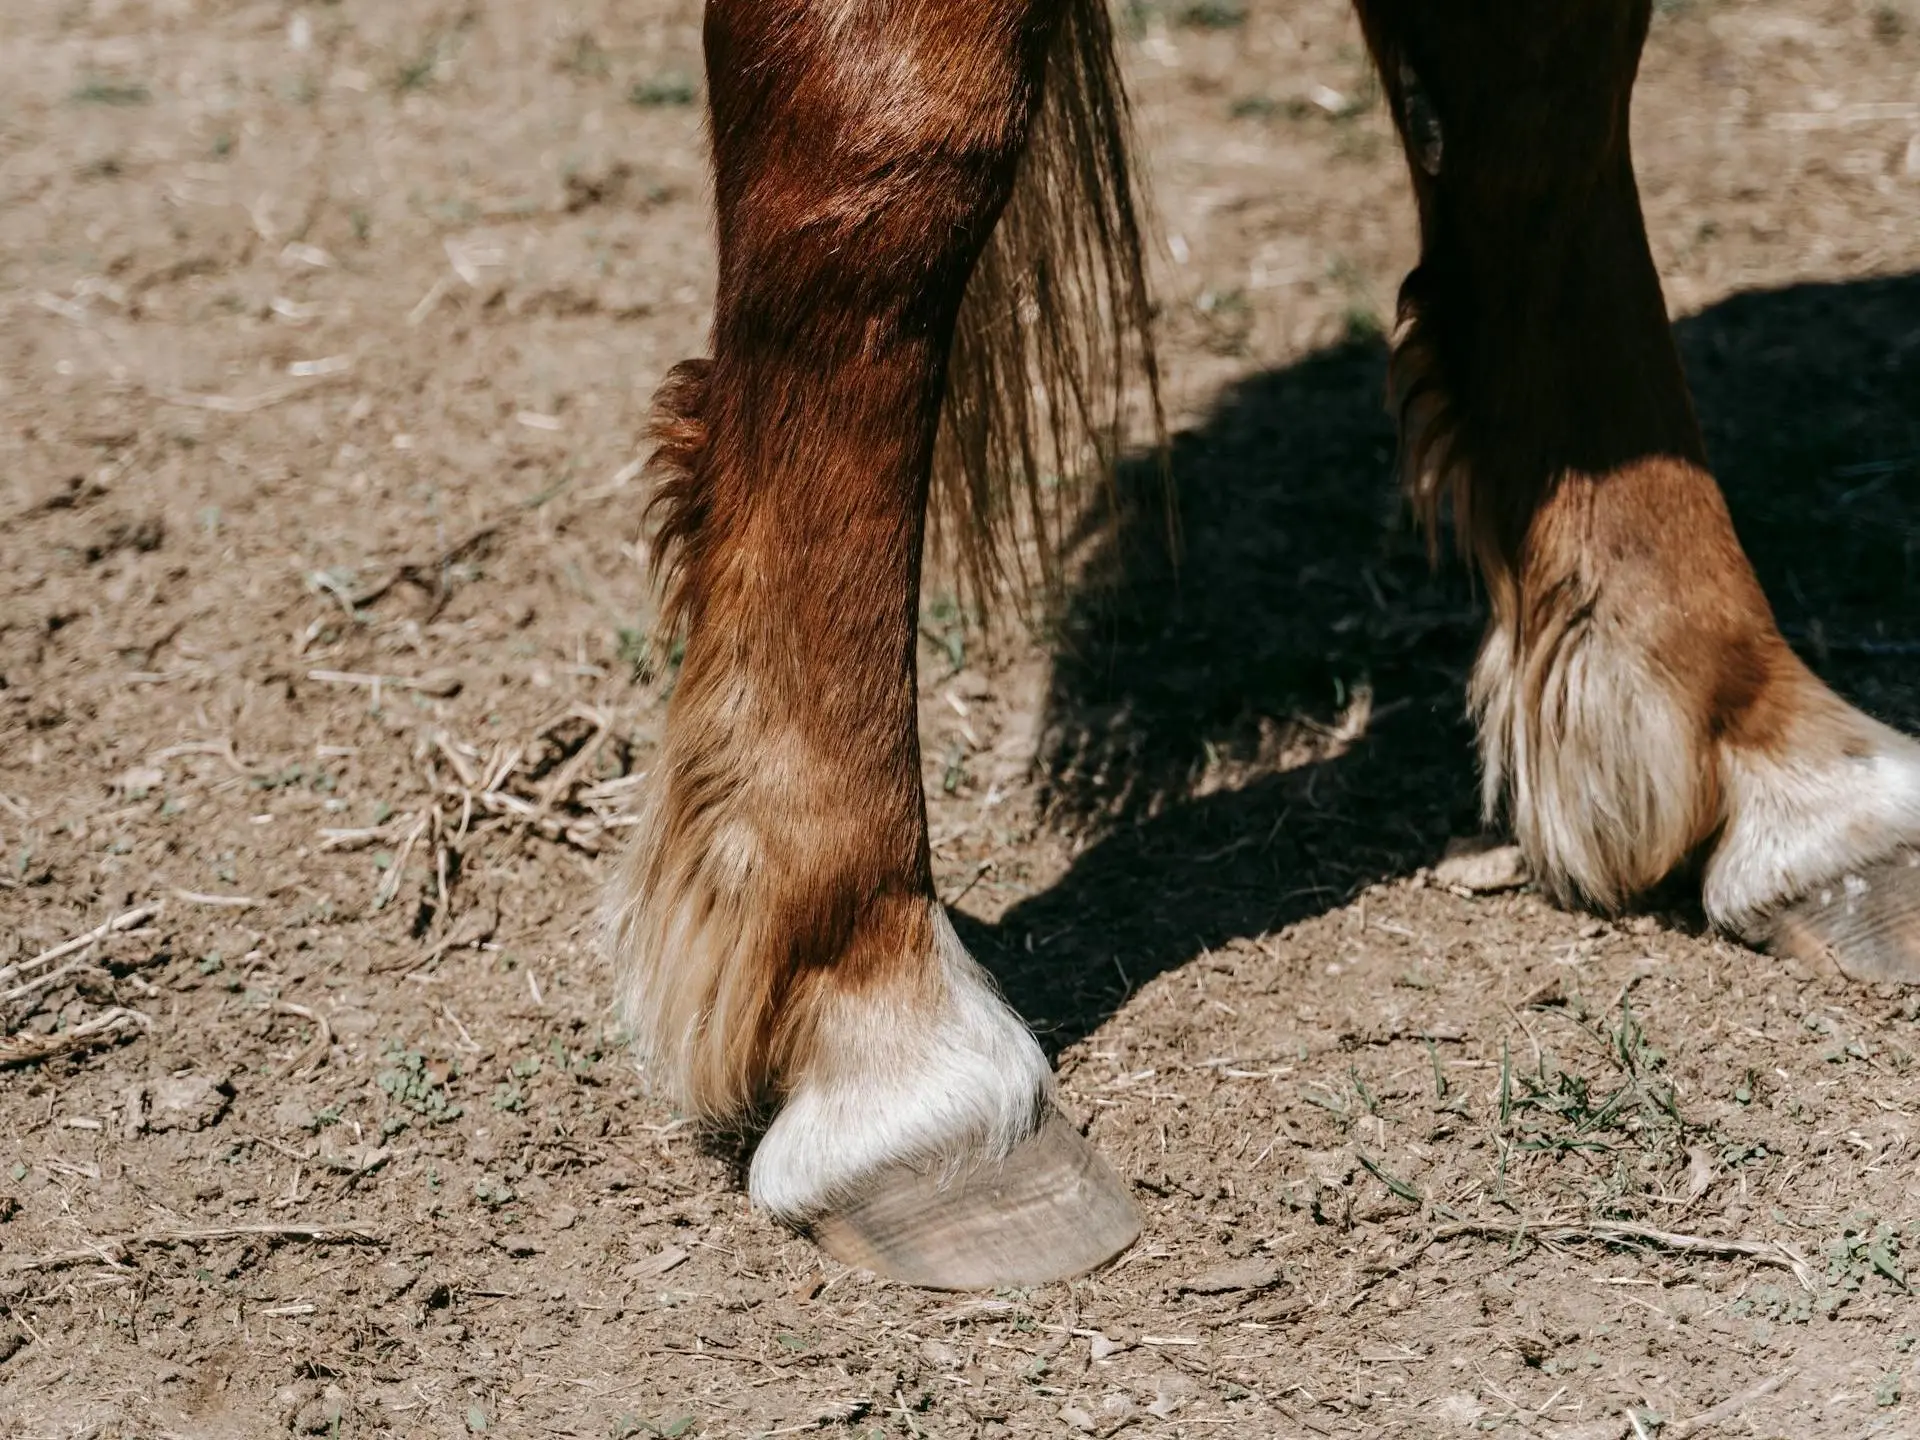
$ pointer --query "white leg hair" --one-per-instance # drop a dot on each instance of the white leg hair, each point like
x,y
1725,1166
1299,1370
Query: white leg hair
x,y
894,1079
1593,755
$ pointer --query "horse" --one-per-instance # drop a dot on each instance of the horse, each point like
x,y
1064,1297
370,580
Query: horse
x,y
930,291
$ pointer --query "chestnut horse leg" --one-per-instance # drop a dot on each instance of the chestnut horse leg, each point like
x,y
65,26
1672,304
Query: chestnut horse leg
x,y
776,934
1637,706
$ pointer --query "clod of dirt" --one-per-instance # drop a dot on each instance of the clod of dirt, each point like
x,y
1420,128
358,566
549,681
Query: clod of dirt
x,y
1701,1170
11,1339
137,783
294,1113
393,1281
1481,865
1171,1391
187,1102
1105,1347
939,1352
1614,1429
1458,1409
322,1413
290,1400
1532,1348
1227,1279
438,684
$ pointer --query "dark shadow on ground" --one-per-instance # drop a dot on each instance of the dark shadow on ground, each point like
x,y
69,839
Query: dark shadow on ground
x,y
1180,696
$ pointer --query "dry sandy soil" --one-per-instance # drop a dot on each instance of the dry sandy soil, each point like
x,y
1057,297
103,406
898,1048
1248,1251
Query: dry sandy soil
x,y
326,334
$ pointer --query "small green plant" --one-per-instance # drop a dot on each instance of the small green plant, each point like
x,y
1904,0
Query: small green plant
x,y
1214,15
1360,326
414,1092
633,649
944,624
493,1193
416,73
1866,1247
660,91
1387,1178
584,58
1137,16
96,90
953,773
1228,320
1368,1100
1776,1304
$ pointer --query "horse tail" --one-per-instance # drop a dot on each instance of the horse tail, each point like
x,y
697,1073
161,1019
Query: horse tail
x,y
1053,351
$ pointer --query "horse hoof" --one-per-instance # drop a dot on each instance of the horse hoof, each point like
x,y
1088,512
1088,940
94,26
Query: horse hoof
x,y
1052,1209
1866,923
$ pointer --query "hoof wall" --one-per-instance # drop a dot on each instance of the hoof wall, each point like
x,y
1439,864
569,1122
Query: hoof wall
x,y
1050,1210
1866,923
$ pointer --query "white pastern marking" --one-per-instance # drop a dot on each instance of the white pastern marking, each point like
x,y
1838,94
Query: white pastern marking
x,y
1845,794
962,1078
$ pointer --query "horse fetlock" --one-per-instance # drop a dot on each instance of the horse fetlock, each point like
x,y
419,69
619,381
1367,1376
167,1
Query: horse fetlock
x,y
1638,709
1620,634
1593,756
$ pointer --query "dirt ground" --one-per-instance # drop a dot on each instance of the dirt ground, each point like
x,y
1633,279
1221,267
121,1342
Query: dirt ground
x,y
326,336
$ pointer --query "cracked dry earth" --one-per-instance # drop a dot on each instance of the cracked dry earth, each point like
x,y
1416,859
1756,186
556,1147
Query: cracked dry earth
x,y
328,334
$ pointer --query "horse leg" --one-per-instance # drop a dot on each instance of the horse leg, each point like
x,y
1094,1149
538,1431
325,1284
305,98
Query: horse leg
x,y
1637,706
775,931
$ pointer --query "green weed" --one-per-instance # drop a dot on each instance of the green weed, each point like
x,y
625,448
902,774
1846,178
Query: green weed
x,y
98,91
663,91
414,1092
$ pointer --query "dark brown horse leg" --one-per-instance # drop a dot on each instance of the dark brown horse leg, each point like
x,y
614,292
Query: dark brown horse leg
x,y
1636,703
776,934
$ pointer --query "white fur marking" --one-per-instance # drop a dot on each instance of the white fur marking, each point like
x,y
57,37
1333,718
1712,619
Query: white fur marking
x,y
1845,795
960,1080
1601,778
